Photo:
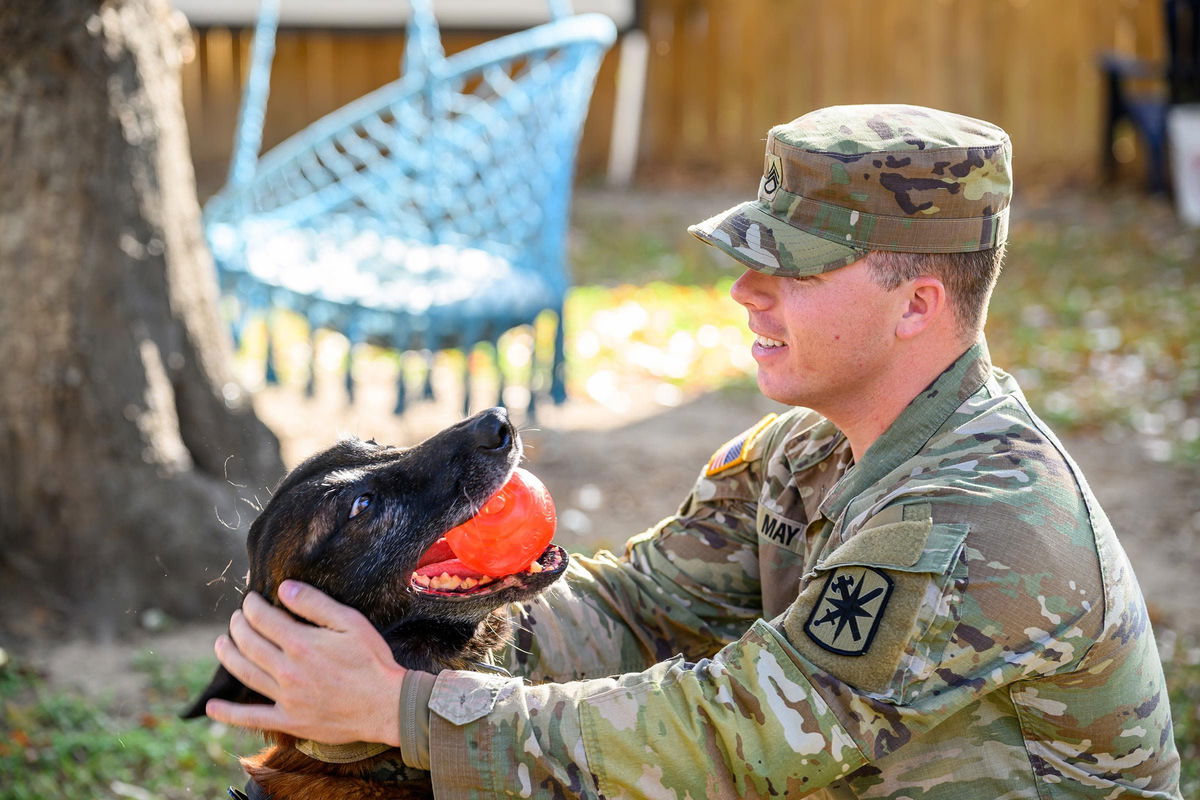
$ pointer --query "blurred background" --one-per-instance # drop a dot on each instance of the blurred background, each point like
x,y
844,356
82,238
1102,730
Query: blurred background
x,y
1097,312
718,74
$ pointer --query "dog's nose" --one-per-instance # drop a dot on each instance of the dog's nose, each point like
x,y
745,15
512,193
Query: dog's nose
x,y
491,430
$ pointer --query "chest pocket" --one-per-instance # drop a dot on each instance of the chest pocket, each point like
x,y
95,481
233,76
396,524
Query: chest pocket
x,y
874,602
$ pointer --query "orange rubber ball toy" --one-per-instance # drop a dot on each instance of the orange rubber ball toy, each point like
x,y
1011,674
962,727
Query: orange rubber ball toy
x,y
512,529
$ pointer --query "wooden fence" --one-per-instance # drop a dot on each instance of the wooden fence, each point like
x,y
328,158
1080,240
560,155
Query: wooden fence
x,y
720,72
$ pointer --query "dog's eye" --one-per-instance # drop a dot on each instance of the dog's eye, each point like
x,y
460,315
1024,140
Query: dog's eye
x,y
360,504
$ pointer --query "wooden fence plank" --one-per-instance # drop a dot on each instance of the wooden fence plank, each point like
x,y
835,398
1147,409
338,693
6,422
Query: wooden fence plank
x,y
721,73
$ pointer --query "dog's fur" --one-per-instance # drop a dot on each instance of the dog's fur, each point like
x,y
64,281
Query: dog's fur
x,y
309,532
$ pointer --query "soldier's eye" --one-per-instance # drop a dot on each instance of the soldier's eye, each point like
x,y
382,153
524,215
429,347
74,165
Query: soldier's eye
x,y
361,503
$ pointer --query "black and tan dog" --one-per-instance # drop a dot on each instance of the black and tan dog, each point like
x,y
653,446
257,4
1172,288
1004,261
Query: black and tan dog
x,y
364,522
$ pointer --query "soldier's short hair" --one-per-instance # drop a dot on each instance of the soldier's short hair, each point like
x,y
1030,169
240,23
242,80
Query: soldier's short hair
x,y
968,277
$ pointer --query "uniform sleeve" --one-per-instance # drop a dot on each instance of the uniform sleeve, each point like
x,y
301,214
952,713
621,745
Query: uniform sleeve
x,y
961,611
690,585
749,716
886,642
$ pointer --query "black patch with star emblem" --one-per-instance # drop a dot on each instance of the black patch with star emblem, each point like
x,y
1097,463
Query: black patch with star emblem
x,y
849,610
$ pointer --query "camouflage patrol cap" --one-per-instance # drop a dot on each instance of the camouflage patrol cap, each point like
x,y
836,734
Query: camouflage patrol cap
x,y
841,181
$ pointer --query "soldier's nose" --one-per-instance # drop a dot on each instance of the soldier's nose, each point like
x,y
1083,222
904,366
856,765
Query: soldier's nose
x,y
747,290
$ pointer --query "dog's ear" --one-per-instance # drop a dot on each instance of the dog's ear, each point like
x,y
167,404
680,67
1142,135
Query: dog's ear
x,y
223,686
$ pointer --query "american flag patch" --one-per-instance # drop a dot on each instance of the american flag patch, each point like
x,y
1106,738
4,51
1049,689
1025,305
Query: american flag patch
x,y
736,450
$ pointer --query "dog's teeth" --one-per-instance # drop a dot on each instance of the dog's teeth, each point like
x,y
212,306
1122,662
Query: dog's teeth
x,y
445,582
535,567
448,583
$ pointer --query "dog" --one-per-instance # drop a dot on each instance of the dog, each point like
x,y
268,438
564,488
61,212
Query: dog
x,y
358,521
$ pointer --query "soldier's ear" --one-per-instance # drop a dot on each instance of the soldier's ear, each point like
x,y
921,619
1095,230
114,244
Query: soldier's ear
x,y
923,302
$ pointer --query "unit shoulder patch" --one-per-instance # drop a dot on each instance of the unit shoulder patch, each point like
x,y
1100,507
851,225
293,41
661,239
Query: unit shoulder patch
x,y
737,450
847,614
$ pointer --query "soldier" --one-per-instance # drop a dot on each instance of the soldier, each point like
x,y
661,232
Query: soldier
x,y
902,587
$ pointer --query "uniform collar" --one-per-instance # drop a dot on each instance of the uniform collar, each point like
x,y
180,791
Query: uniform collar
x,y
905,437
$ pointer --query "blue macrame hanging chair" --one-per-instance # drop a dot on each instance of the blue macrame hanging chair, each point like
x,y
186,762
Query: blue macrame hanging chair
x,y
429,214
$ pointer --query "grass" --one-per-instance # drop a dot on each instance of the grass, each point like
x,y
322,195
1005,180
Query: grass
x,y
1099,321
1181,661
57,744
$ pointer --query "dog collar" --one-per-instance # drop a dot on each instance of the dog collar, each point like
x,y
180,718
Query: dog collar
x,y
341,753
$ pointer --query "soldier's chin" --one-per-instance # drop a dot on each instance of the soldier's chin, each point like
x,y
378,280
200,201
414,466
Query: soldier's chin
x,y
784,392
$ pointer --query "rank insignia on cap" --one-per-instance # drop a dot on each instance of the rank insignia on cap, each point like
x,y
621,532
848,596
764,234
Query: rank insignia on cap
x,y
773,177
737,450
847,614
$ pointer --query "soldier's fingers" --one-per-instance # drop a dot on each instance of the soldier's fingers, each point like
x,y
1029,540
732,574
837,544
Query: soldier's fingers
x,y
256,648
272,623
243,668
245,715
318,607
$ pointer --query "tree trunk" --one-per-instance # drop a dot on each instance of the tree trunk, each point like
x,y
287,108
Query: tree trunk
x,y
124,439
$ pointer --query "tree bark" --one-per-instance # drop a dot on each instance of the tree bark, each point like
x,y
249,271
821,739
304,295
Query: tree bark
x,y
124,439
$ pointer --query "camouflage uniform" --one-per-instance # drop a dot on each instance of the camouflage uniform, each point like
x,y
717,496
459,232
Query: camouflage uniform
x,y
1008,653
951,618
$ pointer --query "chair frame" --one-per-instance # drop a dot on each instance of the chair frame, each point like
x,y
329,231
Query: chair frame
x,y
355,166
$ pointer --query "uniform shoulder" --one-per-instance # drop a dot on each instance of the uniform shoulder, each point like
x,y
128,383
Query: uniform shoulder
x,y
806,435
996,468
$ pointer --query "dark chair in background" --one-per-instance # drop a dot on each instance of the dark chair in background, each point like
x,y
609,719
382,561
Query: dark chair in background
x,y
1142,91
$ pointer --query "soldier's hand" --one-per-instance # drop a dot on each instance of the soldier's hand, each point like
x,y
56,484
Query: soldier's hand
x,y
333,682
